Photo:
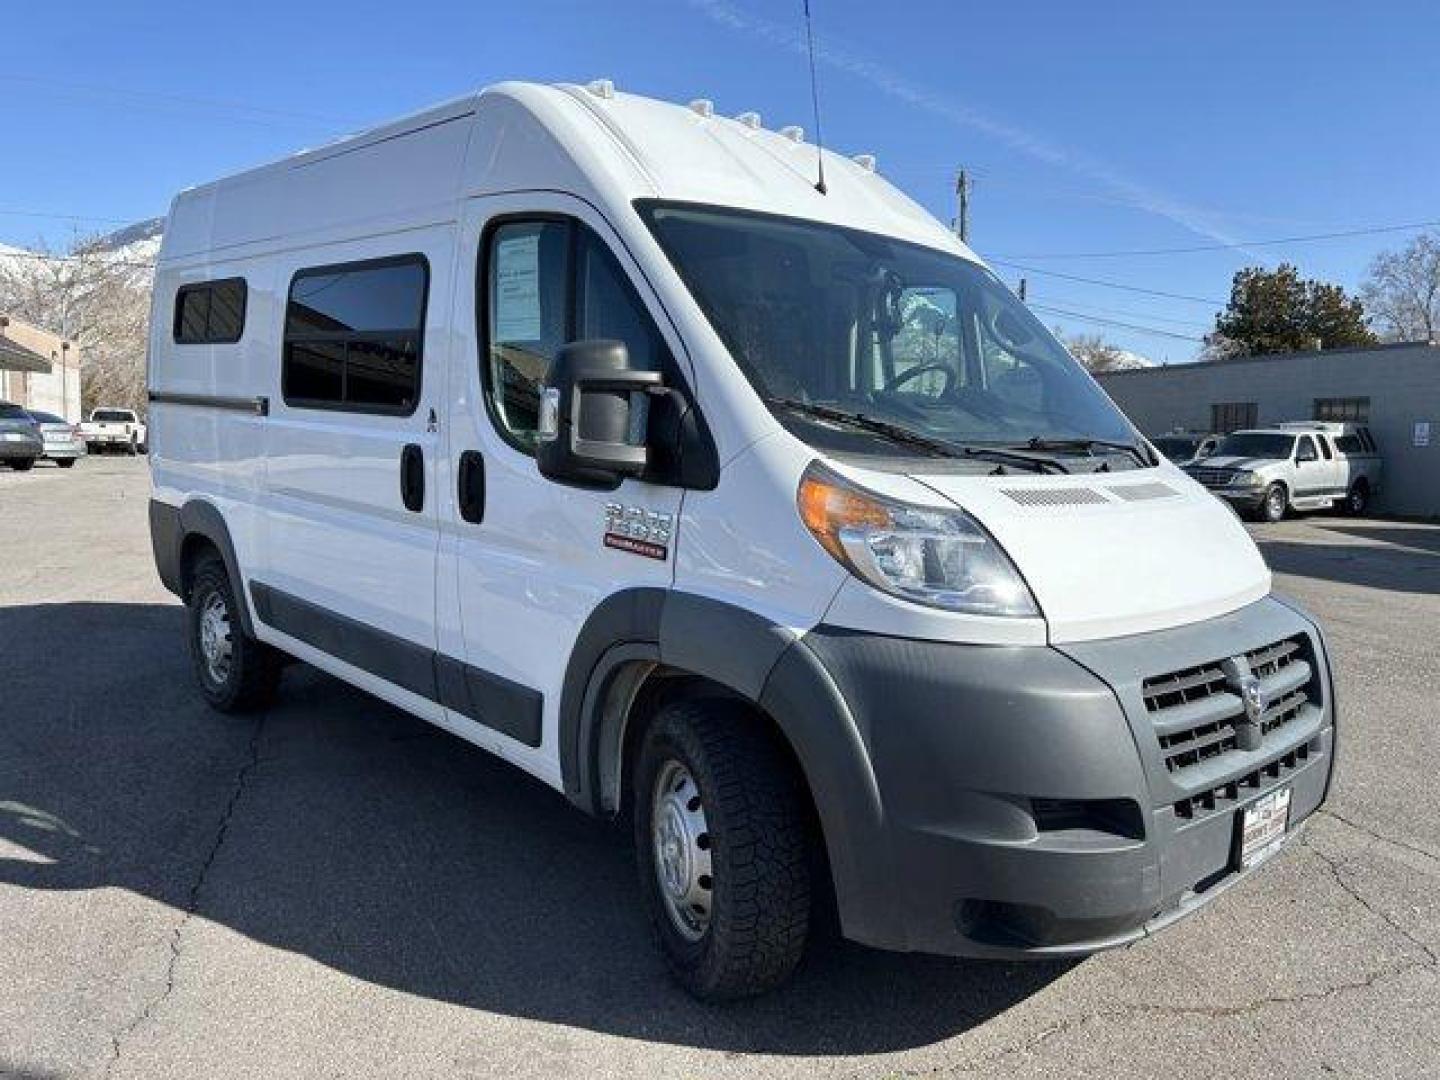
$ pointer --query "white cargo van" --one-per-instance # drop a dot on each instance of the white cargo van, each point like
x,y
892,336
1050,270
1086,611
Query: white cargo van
x,y
592,430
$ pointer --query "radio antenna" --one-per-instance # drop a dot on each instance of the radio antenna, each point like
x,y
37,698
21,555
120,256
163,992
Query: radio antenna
x,y
815,102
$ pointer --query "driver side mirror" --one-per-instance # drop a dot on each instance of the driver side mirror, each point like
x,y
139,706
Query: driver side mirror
x,y
593,412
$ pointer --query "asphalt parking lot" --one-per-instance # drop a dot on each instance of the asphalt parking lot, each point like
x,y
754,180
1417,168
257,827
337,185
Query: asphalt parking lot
x,y
335,889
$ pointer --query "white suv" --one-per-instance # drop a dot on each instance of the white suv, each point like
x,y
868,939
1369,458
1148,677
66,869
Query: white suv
x,y
1302,465
591,430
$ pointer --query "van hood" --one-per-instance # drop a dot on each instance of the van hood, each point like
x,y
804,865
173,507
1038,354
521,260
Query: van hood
x,y
1108,556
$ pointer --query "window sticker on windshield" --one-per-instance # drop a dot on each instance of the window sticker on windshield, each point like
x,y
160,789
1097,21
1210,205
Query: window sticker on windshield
x,y
517,288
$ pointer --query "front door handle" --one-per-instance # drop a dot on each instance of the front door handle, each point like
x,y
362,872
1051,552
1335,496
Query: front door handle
x,y
471,487
412,478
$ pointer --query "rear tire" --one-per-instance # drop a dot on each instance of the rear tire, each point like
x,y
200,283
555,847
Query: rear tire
x,y
724,848
66,462
1277,502
24,464
1357,500
236,673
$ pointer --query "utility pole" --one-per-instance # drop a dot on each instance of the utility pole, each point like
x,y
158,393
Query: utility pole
x,y
1022,290
963,187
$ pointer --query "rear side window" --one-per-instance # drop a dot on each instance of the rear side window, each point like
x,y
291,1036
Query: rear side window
x,y
211,312
548,282
1325,451
354,334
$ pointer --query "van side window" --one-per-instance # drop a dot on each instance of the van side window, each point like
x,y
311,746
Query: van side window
x,y
354,334
548,282
210,312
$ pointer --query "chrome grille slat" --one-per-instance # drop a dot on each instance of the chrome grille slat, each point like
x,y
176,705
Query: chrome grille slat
x,y
1198,714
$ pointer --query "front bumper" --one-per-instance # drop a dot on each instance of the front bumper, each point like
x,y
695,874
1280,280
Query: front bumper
x,y
1029,807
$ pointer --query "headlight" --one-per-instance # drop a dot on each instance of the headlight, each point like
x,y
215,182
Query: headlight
x,y
941,558
1244,478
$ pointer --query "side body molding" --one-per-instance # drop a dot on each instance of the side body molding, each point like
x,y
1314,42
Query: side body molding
x,y
170,527
766,664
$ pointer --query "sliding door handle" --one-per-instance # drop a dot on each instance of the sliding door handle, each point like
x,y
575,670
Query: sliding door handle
x,y
470,495
412,478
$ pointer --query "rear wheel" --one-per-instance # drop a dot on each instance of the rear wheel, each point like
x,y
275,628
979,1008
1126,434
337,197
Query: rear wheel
x,y
66,462
1357,501
24,464
724,848
236,673
1277,501
133,448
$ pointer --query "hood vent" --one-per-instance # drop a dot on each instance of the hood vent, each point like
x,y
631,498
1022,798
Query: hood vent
x,y
1076,496
1142,492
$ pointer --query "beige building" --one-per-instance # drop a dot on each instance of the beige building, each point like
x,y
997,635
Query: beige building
x,y
38,369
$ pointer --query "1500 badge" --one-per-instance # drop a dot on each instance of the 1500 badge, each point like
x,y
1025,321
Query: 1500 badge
x,y
638,531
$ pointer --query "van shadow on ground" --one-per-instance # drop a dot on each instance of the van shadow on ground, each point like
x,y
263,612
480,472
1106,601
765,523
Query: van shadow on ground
x,y
374,844
1409,561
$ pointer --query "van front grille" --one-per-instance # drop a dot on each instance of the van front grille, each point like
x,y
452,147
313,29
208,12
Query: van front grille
x,y
1224,797
1197,712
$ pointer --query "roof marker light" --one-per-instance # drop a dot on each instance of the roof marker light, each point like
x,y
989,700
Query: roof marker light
x,y
750,120
702,107
601,88
865,161
793,132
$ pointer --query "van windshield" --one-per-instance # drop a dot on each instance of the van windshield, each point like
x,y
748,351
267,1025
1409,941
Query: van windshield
x,y
824,319
1256,444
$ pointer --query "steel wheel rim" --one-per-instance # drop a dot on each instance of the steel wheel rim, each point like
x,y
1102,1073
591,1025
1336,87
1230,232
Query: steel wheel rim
x,y
216,645
680,843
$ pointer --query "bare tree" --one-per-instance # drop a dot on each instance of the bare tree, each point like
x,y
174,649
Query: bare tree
x,y
1402,293
90,297
1093,351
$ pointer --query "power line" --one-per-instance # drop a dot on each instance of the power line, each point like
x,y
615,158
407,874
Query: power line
x,y
4,212
1108,284
1373,230
1120,313
97,255
1116,323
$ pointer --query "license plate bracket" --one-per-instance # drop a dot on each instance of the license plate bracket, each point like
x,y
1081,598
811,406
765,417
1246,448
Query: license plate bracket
x,y
1262,826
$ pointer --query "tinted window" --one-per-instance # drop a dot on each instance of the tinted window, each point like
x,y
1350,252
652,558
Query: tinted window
x,y
1306,450
1176,448
1352,409
548,283
12,412
212,312
1228,416
1325,450
113,416
45,417
1255,444
353,336
1349,444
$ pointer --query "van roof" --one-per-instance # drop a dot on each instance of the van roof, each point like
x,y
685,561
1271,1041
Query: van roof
x,y
592,141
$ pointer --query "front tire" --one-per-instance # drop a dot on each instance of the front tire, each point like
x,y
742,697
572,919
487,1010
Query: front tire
x,y
1277,502
236,673
724,847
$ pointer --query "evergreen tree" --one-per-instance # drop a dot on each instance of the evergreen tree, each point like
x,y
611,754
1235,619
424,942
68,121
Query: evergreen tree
x,y
1277,311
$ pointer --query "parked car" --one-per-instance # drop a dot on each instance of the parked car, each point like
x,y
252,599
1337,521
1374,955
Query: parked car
x,y
1300,465
1184,448
20,441
584,427
64,441
115,429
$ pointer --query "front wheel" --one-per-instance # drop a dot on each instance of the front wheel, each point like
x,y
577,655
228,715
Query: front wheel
x,y
236,673
724,848
1275,504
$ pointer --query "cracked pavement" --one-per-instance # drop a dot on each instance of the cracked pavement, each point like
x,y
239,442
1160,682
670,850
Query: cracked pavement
x,y
335,889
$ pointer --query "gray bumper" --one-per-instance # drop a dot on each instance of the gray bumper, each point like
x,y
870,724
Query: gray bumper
x,y
27,448
1019,801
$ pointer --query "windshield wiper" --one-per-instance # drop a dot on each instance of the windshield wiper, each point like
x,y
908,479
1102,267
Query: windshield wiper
x,y
1089,445
905,437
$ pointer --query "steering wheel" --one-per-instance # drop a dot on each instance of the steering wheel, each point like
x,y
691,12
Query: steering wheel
x,y
923,369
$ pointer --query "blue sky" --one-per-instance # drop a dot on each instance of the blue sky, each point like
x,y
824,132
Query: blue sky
x,y
1090,128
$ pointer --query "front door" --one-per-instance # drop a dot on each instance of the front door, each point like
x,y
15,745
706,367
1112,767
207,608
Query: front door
x,y
351,521
525,556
